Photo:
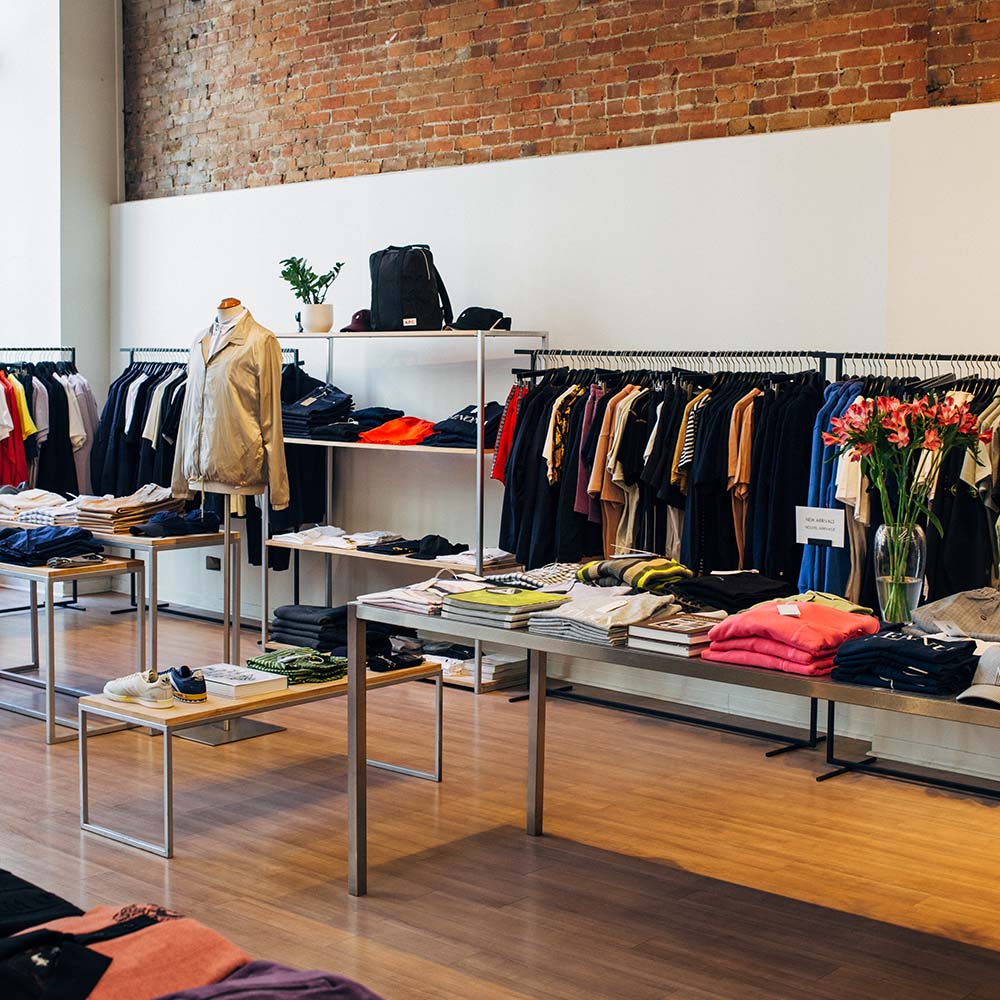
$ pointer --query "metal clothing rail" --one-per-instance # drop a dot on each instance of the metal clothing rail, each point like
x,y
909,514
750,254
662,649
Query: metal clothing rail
x,y
849,358
133,351
71,351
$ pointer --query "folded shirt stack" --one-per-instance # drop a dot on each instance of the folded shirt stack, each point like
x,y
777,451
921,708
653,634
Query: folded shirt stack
x,y
732,592
492,559
60,514
425,598
972,613
37,546
599,615
499,607
402,430
819,597
559,575
13,506
324,629
318,536
460,429
795,639
118,514
301,665
893,659
168,524
317,409
359,421
639,572
428,547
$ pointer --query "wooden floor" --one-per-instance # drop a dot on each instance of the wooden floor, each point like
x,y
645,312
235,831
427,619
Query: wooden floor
x,y
678,863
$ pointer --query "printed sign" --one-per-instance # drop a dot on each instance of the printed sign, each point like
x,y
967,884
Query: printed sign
x,y
819,526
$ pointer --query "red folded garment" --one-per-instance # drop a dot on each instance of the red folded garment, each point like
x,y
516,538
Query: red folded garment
x,y
817,629
747,658
402,430
770,647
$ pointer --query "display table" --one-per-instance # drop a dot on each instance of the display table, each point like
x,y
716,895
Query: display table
x,y
222,711
48,578
151,549
539,647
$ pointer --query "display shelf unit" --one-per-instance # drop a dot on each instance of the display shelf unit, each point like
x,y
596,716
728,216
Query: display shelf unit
x,y
480,338
413,449
330,550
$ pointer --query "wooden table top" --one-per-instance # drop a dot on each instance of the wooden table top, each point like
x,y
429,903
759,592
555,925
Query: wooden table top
x,y
110,567
180,714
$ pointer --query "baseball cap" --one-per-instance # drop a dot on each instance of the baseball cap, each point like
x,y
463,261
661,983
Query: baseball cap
x,y
985,689
361,322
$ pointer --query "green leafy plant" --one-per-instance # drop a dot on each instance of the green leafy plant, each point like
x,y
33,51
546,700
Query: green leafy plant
x,y
308,286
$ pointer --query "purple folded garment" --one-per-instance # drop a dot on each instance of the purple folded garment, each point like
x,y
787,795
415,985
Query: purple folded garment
x,y
269,981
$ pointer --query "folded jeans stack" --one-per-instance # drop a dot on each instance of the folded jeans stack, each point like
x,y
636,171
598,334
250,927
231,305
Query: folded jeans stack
x,y
460,429
893,659
319,408
323,629
655,575
37,546
795,639
360,421
732,592
599,615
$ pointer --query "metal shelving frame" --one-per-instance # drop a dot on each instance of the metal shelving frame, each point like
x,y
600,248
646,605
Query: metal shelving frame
x,y
481,337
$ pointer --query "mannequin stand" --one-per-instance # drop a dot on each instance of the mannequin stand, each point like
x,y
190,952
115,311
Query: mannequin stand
x,y
216,734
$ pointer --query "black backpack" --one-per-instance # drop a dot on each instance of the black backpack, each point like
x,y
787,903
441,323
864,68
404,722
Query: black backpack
x,y
407,291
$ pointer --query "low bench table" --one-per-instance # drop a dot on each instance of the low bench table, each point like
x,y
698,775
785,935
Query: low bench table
x,y
222,710
48,578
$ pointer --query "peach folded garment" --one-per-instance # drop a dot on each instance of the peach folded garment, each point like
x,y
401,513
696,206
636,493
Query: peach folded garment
x,y
176,953
748,658
803,643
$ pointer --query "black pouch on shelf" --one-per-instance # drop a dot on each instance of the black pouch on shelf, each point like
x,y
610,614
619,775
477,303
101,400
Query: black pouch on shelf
x,y
407,290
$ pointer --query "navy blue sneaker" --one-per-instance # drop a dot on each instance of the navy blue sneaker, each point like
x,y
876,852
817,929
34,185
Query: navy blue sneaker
x,y
188,685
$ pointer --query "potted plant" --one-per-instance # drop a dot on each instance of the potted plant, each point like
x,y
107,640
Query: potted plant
x,y
310,289
901,446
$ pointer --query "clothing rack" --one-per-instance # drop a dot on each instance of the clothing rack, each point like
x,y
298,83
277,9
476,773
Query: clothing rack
x,y
71,351
133,351
842,363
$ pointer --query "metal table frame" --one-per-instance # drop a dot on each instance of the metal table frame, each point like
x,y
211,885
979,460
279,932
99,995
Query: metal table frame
x,y
539,647
36,575
121,713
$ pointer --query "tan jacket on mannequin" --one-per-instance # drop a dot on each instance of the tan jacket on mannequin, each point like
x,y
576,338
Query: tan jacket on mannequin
x,y
230,438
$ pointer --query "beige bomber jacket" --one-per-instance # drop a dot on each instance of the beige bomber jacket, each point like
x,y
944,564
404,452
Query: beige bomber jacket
x,y
230,438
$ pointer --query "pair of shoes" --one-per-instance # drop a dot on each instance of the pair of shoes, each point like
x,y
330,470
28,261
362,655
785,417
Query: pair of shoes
x,y
159,690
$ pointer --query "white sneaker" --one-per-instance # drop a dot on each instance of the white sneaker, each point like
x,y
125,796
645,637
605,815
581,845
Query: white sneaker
x,y
145,688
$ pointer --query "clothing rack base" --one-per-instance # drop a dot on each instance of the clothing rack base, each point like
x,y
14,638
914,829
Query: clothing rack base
x,y
872,766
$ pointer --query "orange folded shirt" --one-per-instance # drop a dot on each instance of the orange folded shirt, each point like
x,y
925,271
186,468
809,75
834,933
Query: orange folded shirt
x,y
402,430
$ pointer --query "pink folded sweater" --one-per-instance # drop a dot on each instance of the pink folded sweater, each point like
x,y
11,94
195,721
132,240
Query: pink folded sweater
x,y
817,630
748,658
770,647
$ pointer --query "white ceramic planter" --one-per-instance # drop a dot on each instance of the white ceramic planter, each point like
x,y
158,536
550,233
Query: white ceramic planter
x,y
317,318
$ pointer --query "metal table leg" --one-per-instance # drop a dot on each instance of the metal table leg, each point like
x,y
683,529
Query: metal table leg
x,y
434,775
237,602
154,621
140,619
536,742
50,664
33,589
357,753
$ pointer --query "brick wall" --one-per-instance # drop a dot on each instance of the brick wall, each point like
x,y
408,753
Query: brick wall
x,y
226,93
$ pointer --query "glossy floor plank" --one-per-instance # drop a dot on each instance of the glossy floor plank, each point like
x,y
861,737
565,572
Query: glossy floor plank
x,y
678,863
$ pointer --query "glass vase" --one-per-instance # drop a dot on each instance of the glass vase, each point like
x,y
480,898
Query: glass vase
x,y
900,564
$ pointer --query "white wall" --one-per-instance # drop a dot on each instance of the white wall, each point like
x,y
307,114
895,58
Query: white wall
x,y
29,174
778,241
